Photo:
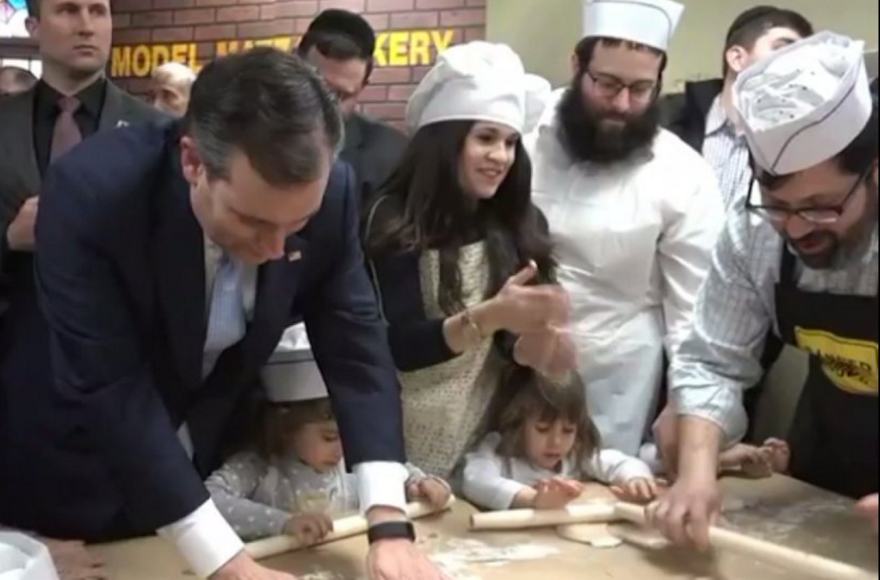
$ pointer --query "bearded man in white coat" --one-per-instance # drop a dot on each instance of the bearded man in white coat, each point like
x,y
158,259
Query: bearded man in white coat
x,y
634,213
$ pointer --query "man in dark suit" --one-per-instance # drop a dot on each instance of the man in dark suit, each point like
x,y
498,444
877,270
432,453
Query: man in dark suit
x,y
170,260
341,45
74,43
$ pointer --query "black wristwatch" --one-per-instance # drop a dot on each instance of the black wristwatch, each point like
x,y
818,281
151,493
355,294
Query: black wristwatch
x,y
392,531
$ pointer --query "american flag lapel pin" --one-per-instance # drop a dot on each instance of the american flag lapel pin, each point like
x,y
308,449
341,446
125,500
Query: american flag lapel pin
x,y
294,256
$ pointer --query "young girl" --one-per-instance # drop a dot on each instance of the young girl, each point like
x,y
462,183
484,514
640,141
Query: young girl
x,y
544,446
295,482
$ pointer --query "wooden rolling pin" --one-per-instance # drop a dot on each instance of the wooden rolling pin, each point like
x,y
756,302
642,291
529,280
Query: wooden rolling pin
x,y
342,528
810,565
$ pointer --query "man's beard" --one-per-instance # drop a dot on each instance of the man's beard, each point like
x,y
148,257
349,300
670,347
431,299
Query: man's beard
x,y
842,251
584,137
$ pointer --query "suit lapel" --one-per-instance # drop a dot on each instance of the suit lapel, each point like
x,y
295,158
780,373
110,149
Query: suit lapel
x,y
111,114
276,288
180,266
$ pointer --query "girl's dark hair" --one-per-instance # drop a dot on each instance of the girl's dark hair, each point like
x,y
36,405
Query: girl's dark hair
x,y
530,394
280,421
431,211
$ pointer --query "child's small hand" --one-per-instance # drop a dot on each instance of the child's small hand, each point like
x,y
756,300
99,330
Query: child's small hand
x,y
431,489
557,493
641,490
309,529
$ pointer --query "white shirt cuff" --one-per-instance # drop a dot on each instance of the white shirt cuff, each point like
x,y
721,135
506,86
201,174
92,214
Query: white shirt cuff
x,y
382,484
205,539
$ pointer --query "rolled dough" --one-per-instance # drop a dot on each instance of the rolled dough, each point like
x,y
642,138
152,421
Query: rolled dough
x,y
595,535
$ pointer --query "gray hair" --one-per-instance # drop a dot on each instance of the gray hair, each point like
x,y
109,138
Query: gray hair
x,y
273,107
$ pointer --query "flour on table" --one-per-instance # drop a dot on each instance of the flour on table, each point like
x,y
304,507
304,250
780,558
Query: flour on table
x,y
778,523
457,557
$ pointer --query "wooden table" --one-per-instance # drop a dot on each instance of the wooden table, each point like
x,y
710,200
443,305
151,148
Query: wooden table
x,y
781,510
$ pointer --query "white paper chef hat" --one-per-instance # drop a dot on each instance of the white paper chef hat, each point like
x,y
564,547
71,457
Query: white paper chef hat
x,y
478,81
291,375
804,104
649,22
23,558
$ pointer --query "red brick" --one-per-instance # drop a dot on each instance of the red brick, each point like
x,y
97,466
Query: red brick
x,y
132,5
374,94
476,3
302,26
471,17
255,1
121,21
195,16
215,32
237,14
400,93
391,75
439,4
386,110
205,51
358,6
378,21
411,20
168,4
390,5
175,34
266,29
132,36
152,19
419,72
288,9
216,2
472,34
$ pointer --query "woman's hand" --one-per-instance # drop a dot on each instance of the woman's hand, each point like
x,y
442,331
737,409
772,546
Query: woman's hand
x,y
641,491
309,529
550,352
430,489
522,309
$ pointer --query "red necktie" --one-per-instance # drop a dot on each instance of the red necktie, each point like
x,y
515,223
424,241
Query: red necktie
x,y
66,134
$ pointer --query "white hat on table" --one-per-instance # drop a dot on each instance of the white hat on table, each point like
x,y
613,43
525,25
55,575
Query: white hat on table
x,y
291,375
805,104
649,22
23,558
478,81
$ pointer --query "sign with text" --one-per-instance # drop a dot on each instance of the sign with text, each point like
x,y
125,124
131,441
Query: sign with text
x,y
397,48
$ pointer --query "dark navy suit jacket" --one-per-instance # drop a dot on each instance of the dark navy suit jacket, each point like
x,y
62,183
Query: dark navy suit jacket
x,y
120,271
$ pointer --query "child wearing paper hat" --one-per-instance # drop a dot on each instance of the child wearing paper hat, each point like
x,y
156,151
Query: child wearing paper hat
x,y
294,482
453,223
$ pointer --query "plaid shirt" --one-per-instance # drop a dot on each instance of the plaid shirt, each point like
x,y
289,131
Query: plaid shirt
x,y
728,154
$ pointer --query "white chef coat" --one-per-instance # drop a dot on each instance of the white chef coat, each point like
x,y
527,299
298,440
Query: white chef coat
x,y
634,242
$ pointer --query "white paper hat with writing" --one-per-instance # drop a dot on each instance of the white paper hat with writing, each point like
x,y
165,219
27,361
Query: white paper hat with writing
x,y
478,81
23,558
804,104
292,375
649,22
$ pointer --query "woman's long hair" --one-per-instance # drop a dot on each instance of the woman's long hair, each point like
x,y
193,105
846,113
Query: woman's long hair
x,y
433,212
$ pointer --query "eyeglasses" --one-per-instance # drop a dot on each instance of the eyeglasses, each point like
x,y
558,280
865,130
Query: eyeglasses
x,y
816,215
608,87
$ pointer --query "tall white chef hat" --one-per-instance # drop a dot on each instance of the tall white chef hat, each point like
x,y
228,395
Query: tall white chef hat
x,y
23,558
804,104
291,375
478,81
649,22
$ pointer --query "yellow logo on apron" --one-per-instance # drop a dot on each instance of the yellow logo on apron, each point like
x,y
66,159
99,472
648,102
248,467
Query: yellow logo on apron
x,y
850,364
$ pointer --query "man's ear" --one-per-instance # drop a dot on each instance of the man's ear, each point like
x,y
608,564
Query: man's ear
x,y
737,59
32,24
190,160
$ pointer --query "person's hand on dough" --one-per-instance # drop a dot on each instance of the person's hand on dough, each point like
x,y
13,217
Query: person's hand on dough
x,y
309,529
73,561
641,490
432,490
557,493
869,507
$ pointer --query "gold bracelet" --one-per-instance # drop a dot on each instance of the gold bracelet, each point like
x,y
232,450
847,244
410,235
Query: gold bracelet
x,y
473,324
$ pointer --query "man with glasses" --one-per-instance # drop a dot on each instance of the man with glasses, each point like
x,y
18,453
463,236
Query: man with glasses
x,y
633,210
800,260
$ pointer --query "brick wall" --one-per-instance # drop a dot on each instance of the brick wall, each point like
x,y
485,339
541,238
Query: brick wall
x,y
148,32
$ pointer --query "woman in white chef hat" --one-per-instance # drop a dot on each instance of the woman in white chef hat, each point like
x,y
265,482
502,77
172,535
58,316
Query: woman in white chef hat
x,y
294,479
802,259
460,257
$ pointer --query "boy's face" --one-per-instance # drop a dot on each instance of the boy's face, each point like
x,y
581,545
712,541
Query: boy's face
x,y
318,445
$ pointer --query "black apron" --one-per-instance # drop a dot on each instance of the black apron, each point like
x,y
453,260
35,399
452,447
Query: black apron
x,y
834,438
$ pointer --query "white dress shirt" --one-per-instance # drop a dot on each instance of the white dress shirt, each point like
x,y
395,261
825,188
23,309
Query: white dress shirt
x,y
493,482
735,309
204,538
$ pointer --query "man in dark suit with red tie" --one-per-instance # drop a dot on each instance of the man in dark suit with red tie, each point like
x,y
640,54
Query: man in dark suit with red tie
x,y
170,260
